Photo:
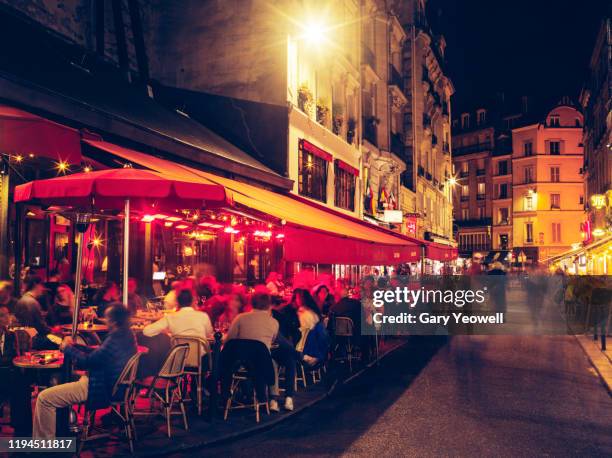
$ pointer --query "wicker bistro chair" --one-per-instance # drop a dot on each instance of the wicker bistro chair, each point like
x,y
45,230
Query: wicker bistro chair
x,y
198,349
122,404
343,327
165,387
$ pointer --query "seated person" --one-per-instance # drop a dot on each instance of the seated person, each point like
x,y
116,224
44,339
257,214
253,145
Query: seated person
x,y
187,321
28,313
106,296
235,305
103,364
246,330
6,296
62,309
349,308
135,300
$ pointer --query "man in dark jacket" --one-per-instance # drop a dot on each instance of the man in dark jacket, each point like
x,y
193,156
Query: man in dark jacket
x,y
29,313
103,365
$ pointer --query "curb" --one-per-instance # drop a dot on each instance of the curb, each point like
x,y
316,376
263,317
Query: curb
x,y
269,424
599,360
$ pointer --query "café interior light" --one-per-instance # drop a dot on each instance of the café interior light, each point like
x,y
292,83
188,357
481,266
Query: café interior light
x,y
147,218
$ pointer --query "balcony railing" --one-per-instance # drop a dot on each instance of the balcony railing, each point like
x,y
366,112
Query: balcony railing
x,y
395,77
464,174
475,148
368,57
480,196
397,144
480,172
465,198
369,130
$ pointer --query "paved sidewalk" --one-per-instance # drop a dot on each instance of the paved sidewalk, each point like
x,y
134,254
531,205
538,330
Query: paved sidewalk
x,y
151,431
601,361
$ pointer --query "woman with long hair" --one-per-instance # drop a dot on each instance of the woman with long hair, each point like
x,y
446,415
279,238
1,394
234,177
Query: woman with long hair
x,y
62,308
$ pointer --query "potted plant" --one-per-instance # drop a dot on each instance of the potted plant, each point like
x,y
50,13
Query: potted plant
x,y
338,118
322,111
305,99
351,126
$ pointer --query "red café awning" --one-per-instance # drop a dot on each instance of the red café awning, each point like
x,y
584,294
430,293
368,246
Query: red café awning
x,y
313,234
439,252
22,133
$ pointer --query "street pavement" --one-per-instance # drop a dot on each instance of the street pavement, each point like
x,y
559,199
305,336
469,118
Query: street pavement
x,y
469,396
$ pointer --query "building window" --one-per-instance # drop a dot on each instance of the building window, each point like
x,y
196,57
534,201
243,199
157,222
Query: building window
x,y
465,169
481,190
503,241
554,121
556,232
503,191
481,213
344,181
528,175
529,232
528,148
465,214
555,201
528,204
554,148
312,174
482,116
502,168
502,215
465,190
465,120
555,175
581,200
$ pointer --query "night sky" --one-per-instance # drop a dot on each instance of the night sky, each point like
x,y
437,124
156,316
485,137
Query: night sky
x,y
532,47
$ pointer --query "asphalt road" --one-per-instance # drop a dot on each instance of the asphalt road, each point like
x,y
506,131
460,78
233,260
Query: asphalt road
x,y
472,396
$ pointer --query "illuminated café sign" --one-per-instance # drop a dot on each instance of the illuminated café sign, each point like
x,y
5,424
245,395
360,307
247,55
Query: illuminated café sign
x,y
392,216
598,201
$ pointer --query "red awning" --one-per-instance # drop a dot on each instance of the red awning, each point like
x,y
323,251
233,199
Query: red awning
x,y
347,167
314,246
22,133
313,149
439,252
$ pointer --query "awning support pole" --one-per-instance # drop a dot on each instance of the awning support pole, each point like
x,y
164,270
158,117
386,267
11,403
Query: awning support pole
x,y
422,260
126,250
77,283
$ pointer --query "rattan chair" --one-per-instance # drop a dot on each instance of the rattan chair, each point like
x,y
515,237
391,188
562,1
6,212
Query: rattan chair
x,y
122,404
198,348
165,387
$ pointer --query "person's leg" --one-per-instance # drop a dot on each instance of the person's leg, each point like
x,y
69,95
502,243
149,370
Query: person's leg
x,y
54,398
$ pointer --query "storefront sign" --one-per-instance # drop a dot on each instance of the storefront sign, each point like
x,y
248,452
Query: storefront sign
x,y
411,224
598,201
392,216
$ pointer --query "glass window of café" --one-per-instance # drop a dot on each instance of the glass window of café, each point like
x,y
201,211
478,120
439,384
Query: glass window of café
x,y
312,171
344,195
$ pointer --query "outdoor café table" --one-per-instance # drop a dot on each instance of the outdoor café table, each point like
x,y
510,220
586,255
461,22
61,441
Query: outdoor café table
x,y
44,359
87,327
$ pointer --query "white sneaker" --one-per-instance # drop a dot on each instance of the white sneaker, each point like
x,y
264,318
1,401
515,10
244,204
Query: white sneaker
x,y
273,405
289,403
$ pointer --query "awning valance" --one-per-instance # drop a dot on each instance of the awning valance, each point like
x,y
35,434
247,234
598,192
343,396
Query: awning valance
x,y
439,252
313,234
22,133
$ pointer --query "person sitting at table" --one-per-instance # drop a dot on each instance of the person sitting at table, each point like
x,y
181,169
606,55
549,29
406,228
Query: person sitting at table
x,y
274,283
135,300
256,325
187,321
62,308
233,307
103,365
170,302
107,295
6,296
316,345
28,313
15,386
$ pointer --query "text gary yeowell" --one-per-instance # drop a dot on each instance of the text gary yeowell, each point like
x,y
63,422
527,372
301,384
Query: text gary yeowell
x,y
413,297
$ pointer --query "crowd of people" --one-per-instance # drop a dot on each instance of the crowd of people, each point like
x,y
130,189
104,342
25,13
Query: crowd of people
x,y
271,329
